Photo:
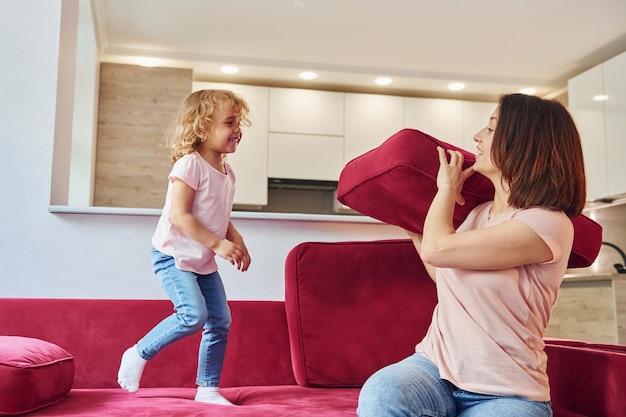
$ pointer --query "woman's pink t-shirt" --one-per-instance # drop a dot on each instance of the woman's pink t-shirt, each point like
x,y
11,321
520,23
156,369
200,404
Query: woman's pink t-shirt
x,y
487,331
212,206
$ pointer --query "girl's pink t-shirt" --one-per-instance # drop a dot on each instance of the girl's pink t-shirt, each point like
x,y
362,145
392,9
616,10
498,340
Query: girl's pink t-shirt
x,y
487,331
212,206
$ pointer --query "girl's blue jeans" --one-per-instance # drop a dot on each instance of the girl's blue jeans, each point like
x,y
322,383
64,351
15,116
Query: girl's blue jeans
x,y
199,303
412,387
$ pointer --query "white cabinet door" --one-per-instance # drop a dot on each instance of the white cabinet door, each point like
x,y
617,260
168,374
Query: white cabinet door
x,y
370,120
475,117
602,125
440,118
589,117
305,157
250,160
306,111
614,72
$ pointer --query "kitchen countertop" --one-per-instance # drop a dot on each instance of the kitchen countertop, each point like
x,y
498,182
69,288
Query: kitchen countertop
x,y
586,277
125,211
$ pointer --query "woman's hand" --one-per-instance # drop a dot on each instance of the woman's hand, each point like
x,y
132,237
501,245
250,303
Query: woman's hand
x,y
451,175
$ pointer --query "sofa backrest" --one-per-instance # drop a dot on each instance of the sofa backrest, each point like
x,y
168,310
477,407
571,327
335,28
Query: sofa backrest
x,y
587,378
354,307
96,332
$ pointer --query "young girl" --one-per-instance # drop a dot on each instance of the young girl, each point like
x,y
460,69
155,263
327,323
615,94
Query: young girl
x,y
497,275
194,227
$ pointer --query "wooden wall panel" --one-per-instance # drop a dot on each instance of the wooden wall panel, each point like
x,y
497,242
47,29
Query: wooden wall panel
x,y
136,106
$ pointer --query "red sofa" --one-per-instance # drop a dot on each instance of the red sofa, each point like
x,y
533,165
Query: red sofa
x,y
350,308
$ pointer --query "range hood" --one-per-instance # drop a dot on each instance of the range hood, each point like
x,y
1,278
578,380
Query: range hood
x,y
606,202
298,184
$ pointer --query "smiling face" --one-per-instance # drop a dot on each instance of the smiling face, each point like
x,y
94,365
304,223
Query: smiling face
x,y
484,140
225,133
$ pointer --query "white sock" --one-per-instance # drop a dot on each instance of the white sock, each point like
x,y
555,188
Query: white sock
x,y
211,395
131,369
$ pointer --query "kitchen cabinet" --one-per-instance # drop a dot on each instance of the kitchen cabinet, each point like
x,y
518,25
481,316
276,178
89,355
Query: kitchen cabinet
x,y
307,157
306,130
614,72
476,115
250,160
370,119
452,121
308,112
602,125
440,118
589,117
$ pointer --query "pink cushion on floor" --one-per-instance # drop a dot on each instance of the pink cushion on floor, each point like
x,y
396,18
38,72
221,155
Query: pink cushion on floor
x,y
33,374
396,182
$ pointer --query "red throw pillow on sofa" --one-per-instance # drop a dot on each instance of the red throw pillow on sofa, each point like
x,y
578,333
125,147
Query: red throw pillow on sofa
x,y
353,308
33,374
396,182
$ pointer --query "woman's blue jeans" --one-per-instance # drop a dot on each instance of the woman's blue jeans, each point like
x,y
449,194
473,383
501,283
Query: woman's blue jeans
x,y
412,387
199,302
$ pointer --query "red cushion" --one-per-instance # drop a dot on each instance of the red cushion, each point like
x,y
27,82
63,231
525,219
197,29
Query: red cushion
x,y
33,374
251,401
354,307
396,182
596,372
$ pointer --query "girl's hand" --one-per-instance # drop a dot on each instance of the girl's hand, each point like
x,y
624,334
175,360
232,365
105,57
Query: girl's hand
x,y
451,175
243,263
234,254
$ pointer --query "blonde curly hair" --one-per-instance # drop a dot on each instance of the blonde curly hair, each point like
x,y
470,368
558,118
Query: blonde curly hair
x,y
194,120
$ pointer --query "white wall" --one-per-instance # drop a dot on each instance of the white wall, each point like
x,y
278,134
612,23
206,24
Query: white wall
x,y
85,110
96,256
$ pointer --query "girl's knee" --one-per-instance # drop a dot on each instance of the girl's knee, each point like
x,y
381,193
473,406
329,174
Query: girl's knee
x,y
193,319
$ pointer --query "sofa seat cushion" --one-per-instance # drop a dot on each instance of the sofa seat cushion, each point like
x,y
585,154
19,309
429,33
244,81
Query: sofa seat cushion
x,y
33,374
396,182
257,401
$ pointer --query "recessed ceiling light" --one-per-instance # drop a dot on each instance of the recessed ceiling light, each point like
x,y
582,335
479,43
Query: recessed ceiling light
x,y
308,75
456,86
600,97
230,69
528,91
147,62
383,81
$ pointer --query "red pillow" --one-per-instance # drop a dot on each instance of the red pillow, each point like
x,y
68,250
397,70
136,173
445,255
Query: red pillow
x,y
353,308
33,374
396,182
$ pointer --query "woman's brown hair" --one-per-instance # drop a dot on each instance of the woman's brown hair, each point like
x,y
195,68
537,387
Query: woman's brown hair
x,y
537,147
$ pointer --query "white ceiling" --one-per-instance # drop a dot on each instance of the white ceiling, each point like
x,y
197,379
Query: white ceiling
x,y
493,46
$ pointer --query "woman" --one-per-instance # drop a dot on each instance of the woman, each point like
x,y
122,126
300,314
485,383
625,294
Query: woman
x,y
497,275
